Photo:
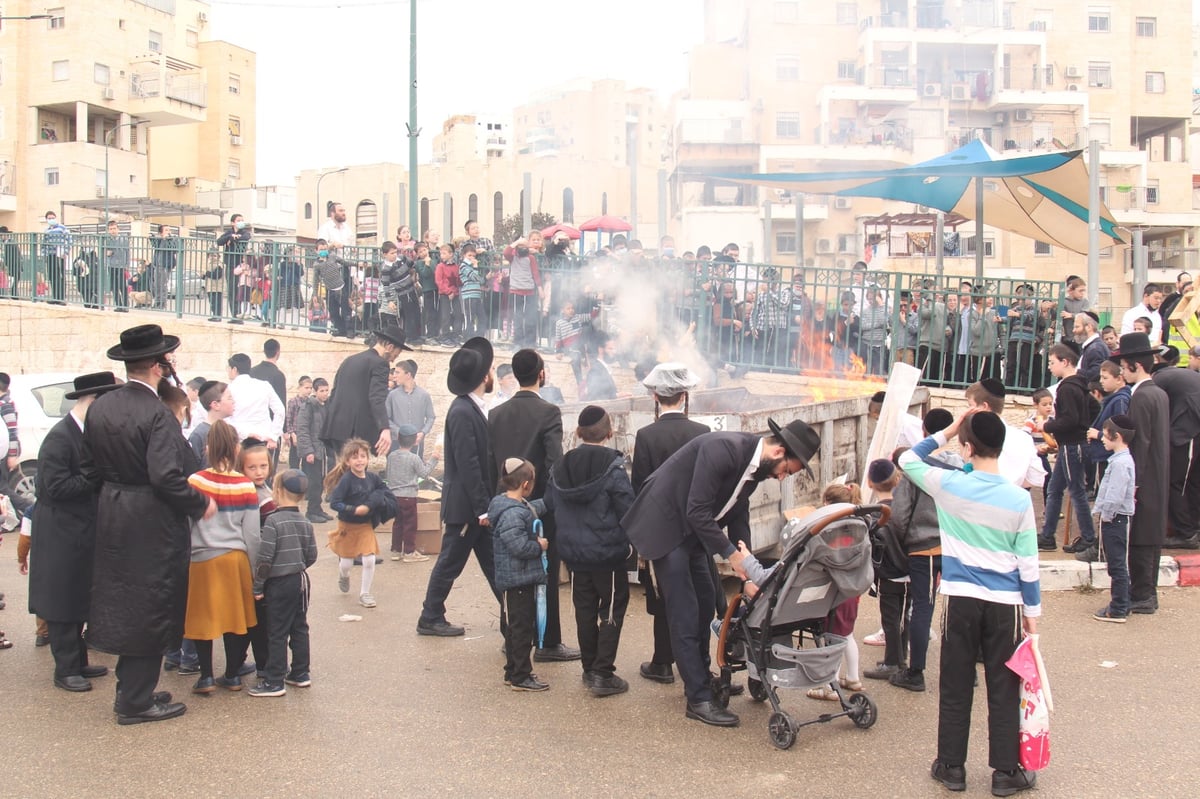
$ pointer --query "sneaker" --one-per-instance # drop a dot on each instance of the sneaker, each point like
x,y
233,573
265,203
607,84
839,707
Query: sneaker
x,y
248,668
396,556
953,777
882,671
415,557
315,518
267,688
530,683
188,669
1006,783
1090,554
1078,545
1047,545
204,685
232,683
911,679
344,584
366,600
875,639
1106,614
170,665
301,680
608,685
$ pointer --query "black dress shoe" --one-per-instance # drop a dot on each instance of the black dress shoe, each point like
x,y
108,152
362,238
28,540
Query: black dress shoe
x,y
92,672
1006,783
552,654
441,629
41,640
658,672
156,712
711,713
1147,607
158,698
953,777
73,683
1178,542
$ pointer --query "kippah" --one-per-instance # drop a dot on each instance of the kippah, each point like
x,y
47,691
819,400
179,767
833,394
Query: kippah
x,y
206,385
406,430
1123,421
878,396
251,443
988,429
937,420
993,386
590,415
294,481
881,470
1095,316
512,464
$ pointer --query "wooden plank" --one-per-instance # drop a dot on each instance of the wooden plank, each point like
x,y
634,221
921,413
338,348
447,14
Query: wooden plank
x,y
900,387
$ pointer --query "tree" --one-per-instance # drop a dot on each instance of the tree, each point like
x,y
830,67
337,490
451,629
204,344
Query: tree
x,y
511,228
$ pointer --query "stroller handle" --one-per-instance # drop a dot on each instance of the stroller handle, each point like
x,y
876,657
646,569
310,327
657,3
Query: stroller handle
x,y
862,511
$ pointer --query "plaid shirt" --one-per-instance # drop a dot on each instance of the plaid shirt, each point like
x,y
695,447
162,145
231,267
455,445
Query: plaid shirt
x,y
771,309
293,409
370,290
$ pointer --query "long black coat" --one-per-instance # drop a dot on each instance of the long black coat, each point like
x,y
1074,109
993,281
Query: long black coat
x,y
64,529
684,495
528,427
470,478
357,408
1182,387
660,440
1150,411
133,446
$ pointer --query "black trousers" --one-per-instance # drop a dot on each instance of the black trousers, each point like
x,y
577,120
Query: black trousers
x,y
601,598
315,472
137,677
68,647
930,361
1143,573
971,626
286,600
335,304
520,608
1183,506
687,587
657,609
552,637
458,542
1019,366
56,276
895,603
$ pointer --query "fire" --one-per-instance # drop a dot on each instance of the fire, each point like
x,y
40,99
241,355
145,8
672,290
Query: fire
x,y
857,365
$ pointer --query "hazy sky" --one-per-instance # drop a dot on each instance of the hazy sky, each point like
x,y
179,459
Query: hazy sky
x,y
333,77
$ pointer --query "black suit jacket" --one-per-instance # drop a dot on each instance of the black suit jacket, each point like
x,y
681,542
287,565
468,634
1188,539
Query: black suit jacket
x,y
528,427
1150,411
1183,392
271,373
660,440
684,495
470,477
357,408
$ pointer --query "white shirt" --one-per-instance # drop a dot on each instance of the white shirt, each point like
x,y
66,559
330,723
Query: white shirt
x,y
746,477
911,431
1137,312
1019,463
257,409
335,233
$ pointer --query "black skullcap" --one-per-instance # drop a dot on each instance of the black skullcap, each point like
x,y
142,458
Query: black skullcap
x,y
590,415
937,420
988,429
1124,423
878,396
525,366
993,386
880,470
294,481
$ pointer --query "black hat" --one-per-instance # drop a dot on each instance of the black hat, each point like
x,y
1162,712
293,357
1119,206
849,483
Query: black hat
x,y
993,386
988,429
94,383
393,334
526,364
1134,345
469,365
142,342
799,440
590,415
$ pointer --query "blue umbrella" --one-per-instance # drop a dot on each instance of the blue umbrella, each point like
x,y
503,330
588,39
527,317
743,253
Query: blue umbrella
x,y
540,592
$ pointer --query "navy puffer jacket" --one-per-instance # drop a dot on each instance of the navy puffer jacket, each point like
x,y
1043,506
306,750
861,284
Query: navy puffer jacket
x,y
588,493
517,553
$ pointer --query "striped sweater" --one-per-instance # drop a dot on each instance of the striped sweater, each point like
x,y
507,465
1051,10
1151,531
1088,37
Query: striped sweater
x,y
288,547
989,534
235,526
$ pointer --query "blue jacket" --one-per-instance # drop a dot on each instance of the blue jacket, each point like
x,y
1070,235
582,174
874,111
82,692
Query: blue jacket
x,y
588,493
517,553
369,490
1114,404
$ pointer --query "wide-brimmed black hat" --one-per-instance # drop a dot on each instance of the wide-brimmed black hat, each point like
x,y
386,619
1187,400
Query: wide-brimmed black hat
x,y
93,383
393,334
799,440
141,342
1134,345
469,365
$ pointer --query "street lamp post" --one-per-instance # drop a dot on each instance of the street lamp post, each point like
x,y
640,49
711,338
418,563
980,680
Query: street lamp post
x,y
321,177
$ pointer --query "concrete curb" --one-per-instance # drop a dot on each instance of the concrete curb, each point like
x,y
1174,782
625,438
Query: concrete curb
x,y
1068,575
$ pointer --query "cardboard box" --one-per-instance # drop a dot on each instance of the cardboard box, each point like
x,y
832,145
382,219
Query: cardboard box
x,y
428,515
429,541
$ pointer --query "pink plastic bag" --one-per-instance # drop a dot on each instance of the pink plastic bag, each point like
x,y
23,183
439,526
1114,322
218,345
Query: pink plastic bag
x,y
1036,704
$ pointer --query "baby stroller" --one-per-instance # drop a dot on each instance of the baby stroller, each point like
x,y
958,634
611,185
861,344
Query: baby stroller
x,y
826,561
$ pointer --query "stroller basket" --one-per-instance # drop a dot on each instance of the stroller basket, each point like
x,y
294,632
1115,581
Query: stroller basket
x,y
806,668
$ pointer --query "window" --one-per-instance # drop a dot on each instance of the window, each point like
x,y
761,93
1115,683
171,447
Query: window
x,y
473,206
846,243
235,84
58,18
308,210
60,70
1100,74
787,125
1156,82
1152,193
1100,130
101,74
787,11
235,126
785,242
52,176
847,70
1147,27
568,201
1042,248
235,169
498,211
1099,20
193,38
155,42
847,13
787,68
989,245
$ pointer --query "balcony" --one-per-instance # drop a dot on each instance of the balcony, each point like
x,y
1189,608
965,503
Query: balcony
x,y
1030,86
876,85
8,186
166,91
714,132
783,207
1141,206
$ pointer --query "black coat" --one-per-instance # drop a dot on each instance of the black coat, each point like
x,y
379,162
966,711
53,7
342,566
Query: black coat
x,y
1150,411
684,495
660,440
1182,387
588,493
64,529
470,477
528,427
357,407
132,445
270,372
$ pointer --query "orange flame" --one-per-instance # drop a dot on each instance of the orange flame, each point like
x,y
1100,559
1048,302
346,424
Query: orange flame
x,y
857,365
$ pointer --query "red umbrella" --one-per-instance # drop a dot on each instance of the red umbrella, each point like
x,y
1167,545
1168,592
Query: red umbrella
x,y
607,224
572,233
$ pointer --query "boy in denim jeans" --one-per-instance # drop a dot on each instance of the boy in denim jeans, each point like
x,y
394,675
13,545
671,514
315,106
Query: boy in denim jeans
x,y
1114,503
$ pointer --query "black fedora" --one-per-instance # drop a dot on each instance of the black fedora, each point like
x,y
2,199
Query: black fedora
x,y
799,440
469,365
393,334
94,383
1134,345
142,342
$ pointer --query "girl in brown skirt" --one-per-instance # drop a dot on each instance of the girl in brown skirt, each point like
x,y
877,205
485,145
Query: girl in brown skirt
x,y
361,500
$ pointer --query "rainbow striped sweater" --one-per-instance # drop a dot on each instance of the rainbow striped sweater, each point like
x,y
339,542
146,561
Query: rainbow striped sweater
x,y
989,534
235,526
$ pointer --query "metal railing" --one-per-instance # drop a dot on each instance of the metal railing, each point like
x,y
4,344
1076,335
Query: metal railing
x,y
736,317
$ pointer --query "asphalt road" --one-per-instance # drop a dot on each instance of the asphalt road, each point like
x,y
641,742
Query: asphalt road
x,y
394,714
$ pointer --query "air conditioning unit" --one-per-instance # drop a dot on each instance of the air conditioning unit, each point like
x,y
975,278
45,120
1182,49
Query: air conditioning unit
x,y
202,17
841,202
1001,118
110,93
960,91
236,141
1072,87
1073,72
181,181
1023,115
933,90
824,245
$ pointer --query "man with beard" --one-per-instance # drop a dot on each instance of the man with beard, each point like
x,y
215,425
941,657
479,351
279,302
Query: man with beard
x,y
676,522
358,404
470,477
599,384
530,428
132,449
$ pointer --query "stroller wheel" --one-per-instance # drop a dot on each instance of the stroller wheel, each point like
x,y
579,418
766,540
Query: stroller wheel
x,y
862,711
758,691
782,729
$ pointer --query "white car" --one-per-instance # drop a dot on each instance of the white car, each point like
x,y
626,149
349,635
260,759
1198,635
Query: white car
x,y
40,402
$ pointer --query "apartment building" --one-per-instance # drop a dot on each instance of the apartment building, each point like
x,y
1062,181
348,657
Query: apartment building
x,y
783,86
88,95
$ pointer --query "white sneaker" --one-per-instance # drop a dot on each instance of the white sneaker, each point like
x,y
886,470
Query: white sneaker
x,y
875,638
344,584
415,557
366,600
395,556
